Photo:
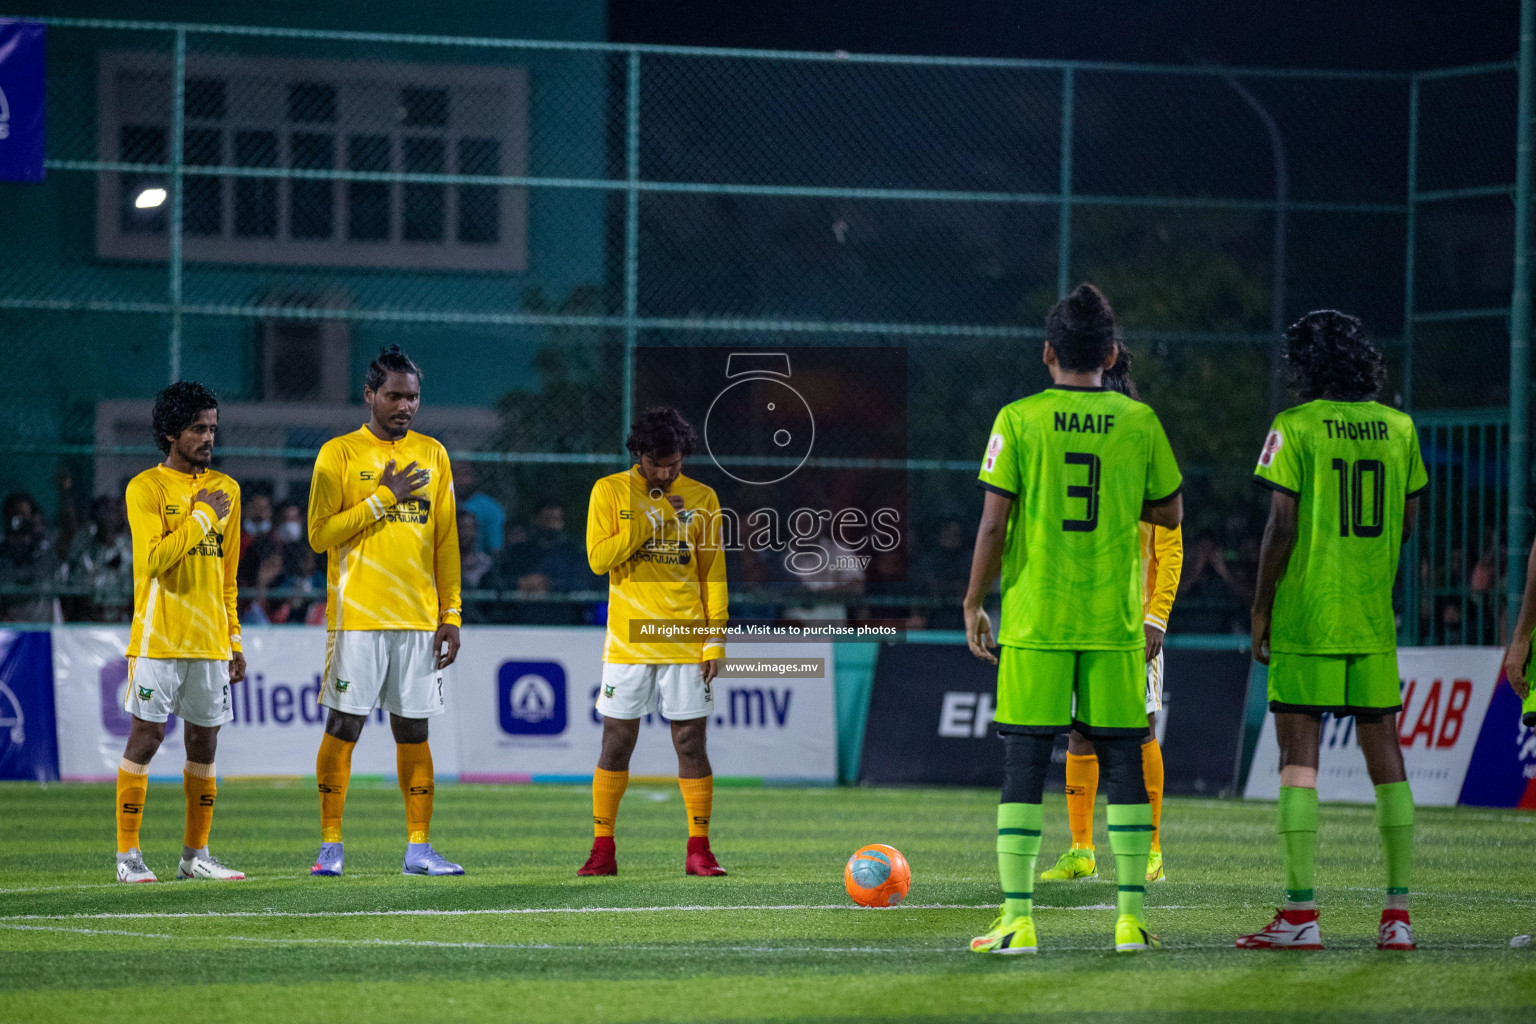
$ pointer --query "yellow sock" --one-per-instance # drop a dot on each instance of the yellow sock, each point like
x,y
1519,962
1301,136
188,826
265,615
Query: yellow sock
x,y
200,784
333,770
413,761
1082,791
1152,771
698,798
607,790
132,785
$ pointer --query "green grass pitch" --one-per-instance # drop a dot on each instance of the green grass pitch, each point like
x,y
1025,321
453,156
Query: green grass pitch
x,y
521,938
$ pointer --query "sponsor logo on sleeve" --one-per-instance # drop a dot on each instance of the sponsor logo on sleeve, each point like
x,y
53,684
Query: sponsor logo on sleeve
x,y
994,449
1272,445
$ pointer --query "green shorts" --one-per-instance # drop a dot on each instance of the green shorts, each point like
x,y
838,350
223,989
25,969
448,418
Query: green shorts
x,y
1035,691
1343,684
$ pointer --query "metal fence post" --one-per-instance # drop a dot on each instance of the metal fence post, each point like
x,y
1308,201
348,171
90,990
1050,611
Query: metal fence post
x,y
1520,322
631,238
1411,231
1411,583
178,109
1064,212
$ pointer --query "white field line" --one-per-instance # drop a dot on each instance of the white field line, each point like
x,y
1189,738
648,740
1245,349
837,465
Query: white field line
x,y
501,911
318,941
119,885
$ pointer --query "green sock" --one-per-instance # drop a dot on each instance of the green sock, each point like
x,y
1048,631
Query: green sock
x,y
1298,841
1394,816
1018,844
1130,837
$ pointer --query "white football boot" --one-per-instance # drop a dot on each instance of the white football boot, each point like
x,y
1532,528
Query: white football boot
x,y
202,864
130,867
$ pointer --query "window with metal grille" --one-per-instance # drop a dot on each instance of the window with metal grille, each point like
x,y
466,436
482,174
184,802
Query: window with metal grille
x,y
309,162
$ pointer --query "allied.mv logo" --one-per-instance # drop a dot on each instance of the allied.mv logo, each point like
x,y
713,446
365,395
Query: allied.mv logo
x,y
531,698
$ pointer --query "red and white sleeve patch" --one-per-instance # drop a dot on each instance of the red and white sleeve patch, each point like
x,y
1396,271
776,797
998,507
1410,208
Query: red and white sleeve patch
x,y
994,449
1272,445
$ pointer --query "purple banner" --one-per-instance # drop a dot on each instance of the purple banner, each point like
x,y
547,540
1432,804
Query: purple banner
x,y
22,78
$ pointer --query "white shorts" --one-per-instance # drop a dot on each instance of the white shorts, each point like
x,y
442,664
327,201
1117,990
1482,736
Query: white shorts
x,y
1155,684
196,689
387,668
679,692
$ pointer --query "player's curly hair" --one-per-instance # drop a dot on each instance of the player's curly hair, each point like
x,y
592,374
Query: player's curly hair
x,y
390,360
660,431
1328,355
176,407
1081,328
1118,377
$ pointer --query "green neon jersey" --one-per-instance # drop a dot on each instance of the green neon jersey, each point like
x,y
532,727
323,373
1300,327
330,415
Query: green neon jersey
x,y
1351,466
1078,463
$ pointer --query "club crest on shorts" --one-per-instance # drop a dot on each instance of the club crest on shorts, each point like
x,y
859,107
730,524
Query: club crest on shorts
x,y
342,685
607,690
1272,445
146,692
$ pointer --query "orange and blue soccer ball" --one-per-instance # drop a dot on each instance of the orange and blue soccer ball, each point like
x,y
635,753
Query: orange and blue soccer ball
x,y
877,876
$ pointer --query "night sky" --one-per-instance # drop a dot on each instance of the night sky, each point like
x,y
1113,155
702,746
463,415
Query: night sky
x,y
1403,35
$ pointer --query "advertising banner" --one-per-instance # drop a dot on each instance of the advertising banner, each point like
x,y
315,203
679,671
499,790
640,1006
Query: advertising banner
x,y
1446,693
1503,768
277,724
28,747
519,708
22,70
930,718
523,702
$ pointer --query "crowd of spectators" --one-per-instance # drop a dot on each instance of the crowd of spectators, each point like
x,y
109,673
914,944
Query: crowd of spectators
x,y
533,570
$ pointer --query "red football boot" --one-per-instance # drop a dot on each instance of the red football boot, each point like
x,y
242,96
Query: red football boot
x,y
1291,929
603,860
700,861
1395,932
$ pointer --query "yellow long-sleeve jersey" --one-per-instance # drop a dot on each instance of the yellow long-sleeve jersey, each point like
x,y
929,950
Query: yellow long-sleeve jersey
x,y
661,563
389,565
184,566
1162,560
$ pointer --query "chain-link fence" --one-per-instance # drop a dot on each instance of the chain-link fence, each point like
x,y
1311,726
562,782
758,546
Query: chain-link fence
x,y
262,210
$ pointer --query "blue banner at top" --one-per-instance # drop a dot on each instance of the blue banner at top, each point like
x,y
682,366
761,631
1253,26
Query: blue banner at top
x,y
21,100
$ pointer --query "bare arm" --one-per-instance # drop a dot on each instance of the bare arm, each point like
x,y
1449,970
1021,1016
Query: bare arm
x,y
1519,652
1274,556
986,564
1168,514
1410,517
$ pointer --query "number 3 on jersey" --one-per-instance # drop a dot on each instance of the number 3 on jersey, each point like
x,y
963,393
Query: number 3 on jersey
x,y
1088,492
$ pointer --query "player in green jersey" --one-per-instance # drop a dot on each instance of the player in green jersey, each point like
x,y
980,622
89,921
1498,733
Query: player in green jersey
x,y
1068,473
1345,473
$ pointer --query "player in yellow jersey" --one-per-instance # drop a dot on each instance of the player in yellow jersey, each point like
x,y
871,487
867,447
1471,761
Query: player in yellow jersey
x,y
1162,559
655,533
184,647
381,509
